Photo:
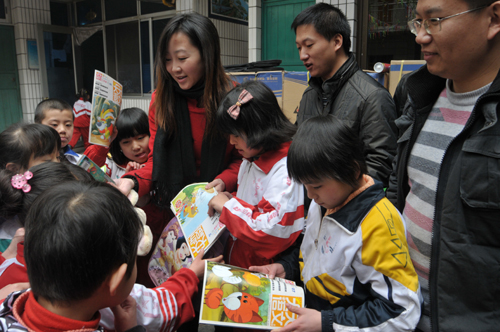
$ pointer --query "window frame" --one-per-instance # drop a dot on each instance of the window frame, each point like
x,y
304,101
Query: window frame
x,y
139,18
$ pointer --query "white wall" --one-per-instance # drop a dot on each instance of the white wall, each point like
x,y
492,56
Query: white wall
x,y
26,14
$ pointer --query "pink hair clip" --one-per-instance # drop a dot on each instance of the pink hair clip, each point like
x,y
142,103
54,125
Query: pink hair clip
x,y
245,97
20,181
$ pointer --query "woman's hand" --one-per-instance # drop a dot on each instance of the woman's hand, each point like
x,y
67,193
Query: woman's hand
x,y
272,270
218,184
132,166
198,264
217,203
125,314
309,320
125,185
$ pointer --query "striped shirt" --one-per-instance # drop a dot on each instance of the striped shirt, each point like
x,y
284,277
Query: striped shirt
x,y
445,121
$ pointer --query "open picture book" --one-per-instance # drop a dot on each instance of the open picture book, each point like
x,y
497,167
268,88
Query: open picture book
x,y
186,234
237,297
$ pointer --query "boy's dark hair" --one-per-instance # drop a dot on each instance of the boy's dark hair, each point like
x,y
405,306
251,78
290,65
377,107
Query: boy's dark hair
x,y
323,148
51,104
131,122
21,141
16,202
260,120
327,20
77,234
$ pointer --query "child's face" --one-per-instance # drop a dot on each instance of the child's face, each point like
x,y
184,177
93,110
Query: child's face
x,y
62,122
240,144
136,148
54,156
328,193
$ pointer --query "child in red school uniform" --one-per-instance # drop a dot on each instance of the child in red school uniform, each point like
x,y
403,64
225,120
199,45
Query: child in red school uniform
x,y
267,214
88,290
82,112
58,114
130,148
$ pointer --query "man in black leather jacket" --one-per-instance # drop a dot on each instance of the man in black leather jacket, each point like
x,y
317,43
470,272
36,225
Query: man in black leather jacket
x,y
339,87
447,185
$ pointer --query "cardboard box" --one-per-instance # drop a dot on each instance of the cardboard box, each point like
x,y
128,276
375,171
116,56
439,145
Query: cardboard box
x,y
382,78
288,87
293,88
399,68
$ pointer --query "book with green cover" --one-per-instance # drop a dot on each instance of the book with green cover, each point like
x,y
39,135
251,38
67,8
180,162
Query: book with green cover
x,y
237,297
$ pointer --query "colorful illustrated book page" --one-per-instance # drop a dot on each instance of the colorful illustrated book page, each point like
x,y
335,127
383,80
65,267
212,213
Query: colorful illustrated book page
x,y
97,173
170,255
236,297
106,103
190,207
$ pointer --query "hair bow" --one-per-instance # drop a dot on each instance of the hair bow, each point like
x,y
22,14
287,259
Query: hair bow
x,y
244,97
20,181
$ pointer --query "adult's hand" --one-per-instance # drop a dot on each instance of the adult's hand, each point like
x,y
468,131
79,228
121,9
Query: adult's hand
x,y
125,185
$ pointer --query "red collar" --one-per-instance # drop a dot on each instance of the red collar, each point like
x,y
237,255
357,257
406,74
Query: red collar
x,y
33,316
268,159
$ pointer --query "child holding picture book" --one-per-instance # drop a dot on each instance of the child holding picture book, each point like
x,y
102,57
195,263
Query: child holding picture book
x,y
267,214
354,258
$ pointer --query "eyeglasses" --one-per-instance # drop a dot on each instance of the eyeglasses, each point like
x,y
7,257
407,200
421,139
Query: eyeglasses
x,y
433,25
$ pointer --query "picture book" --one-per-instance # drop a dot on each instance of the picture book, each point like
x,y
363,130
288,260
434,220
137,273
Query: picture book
x,y
106,103
170,255
190,206
97,173
236,297
186,234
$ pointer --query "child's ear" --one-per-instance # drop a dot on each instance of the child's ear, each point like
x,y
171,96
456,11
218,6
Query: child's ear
x,y
13,167
116,278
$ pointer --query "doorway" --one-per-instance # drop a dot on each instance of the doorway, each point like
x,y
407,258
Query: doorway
x,y
56,52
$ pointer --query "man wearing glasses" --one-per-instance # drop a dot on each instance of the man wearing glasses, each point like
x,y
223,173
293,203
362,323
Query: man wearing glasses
x,y
446,177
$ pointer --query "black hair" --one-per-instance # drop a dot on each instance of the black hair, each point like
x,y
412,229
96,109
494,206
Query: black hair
x,y
179,242
477,3
77,235
325,148
51,104
16,202
203,35
130,123
83,93
328,22
22,141
260,119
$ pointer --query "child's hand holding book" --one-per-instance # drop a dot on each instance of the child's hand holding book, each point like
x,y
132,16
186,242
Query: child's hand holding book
x,y
198,264
272,270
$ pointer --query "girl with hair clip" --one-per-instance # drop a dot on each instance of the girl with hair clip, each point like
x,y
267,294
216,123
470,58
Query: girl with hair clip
x,y
23,146
130,149
185,146
82,112
19,190
267,214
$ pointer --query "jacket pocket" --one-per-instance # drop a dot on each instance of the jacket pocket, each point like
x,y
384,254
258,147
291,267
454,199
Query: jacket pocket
x,y
480,172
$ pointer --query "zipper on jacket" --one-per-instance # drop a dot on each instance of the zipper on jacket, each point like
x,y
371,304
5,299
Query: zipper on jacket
x,y
436,230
